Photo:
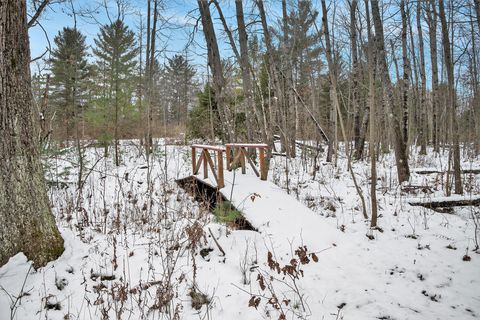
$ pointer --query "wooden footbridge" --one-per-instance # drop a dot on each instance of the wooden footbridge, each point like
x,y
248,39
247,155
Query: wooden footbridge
x,y
236,156
234,172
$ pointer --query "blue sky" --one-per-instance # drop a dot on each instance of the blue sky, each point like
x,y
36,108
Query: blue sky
x,y
181,15
171,41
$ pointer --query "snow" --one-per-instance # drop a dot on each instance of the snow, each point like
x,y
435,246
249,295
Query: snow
x,y
414,269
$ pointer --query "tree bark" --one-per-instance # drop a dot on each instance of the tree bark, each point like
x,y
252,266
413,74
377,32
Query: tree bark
x,y
27,224
447,49
406,72
432,34
357,135
422,137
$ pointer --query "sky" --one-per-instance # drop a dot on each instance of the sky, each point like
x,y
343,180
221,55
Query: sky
x,y
172,40
181,16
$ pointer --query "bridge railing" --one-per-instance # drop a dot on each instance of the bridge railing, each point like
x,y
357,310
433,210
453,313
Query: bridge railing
x,y
241,156
237,154
206,159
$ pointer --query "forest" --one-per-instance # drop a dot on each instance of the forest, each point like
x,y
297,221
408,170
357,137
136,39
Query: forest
x,y
239,159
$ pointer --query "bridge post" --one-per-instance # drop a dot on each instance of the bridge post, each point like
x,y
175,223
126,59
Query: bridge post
x,y
220,182
228,157
194,160
205,164
263,164
242,159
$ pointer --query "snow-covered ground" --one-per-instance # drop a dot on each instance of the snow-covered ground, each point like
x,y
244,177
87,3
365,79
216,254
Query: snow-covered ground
x,y
139,247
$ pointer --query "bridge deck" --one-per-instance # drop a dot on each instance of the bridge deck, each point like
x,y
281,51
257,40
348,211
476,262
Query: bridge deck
x,y
272,211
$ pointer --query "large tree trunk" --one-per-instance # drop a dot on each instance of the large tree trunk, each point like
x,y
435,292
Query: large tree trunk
x,y
432,34
27,224
447,51
401,158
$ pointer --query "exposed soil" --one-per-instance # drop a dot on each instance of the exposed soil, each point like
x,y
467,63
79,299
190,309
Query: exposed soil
x,y
209,195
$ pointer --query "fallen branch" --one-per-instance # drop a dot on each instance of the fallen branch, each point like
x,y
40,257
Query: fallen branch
x,y
216,242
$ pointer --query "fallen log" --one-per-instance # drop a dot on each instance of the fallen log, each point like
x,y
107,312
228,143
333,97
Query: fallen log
x,y
431,171
412,188
446,202
301,144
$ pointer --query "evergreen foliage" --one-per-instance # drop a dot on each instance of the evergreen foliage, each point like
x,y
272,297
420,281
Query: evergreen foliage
x,y
116,52
179,74
70,76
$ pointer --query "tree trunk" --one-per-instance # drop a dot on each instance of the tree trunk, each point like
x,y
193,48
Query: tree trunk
x,y
401,159
27,224
371,140
336,103
272,67
406,73
474,75
215,65
422,137
477,10
358,140
432,30
451,99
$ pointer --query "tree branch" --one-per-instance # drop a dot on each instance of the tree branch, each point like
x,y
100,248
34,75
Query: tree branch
x,y
38,13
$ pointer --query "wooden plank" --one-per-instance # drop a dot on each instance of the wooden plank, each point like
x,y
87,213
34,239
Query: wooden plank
x,y
263,165
235,159
212,166
198,164
252,164
221,180
205,164
242,159
208,147
194,160
228,157
247,145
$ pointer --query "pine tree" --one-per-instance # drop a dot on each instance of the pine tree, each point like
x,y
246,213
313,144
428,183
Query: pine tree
x,y
71,72
116,51
304,44
179,75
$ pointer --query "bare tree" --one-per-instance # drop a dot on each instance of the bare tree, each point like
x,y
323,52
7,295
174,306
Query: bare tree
x,y
406,72
215,64
422,137
335,101
432,27
452,103
401,159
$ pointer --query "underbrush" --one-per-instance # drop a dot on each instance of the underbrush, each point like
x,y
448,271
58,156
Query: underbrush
x,y
225,212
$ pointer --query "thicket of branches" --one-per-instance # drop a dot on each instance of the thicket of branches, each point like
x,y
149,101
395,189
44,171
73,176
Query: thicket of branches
x,y
389,75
